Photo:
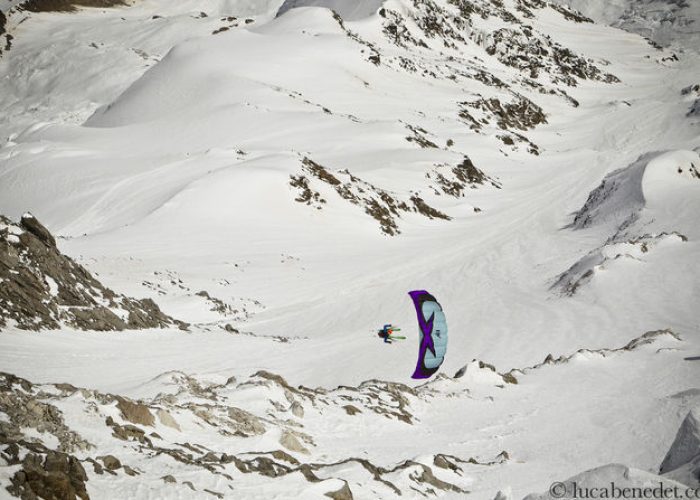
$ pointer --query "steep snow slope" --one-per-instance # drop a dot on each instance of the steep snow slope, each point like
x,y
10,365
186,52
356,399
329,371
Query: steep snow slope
x,y
666,22
61,67
282,183
350,11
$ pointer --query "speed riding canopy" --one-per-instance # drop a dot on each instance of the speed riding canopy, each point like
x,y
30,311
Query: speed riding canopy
x,y
433,333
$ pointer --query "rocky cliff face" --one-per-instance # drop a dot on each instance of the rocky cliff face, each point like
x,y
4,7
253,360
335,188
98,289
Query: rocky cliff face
x,y
66,5
40,288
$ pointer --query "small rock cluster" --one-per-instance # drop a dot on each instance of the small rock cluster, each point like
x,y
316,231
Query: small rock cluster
x,y
378,203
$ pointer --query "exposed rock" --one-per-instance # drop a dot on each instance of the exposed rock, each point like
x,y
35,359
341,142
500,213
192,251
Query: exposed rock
x,y
65,5
424,209
24,410
129,432
136,413
454,180
378,203
129,471
343,493
419,137
297,409
444,462
32,225
110,462
217,305
40,288
635,343
245,421
262,465
503,495
211,457
351,410
685,450
290,441
54,476
427,476
96,466
284,456
167,419
384,398
521,113
169,479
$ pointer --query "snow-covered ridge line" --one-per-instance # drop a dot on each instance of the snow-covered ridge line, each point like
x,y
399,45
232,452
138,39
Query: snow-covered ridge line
x,y
261,425
216,122
665,22
509,377
644,339
349,11
50,409
668,180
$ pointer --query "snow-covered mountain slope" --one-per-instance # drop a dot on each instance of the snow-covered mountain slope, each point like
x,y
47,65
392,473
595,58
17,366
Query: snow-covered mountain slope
x,y
61,67
349,11
666,22
279,175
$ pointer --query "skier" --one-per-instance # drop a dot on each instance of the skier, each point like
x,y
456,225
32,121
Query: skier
x,y
386,332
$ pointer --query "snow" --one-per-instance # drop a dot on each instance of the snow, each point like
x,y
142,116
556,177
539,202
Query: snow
x,y
162,159
53,286
667,22
34,435
350,11
628,481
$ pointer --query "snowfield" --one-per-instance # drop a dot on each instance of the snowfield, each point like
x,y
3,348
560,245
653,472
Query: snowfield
x,y
278,175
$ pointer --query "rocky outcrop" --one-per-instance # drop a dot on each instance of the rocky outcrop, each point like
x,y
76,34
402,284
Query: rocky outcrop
x,y
54,475
24,410
682,462
8,37
135,413
66,5
601,259
290,441
517,44
384,207
344,493
454,180
126,431
41,288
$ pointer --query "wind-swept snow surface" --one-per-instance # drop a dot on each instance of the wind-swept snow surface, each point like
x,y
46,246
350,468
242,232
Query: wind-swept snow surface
x,y
666,22
349,11
279,175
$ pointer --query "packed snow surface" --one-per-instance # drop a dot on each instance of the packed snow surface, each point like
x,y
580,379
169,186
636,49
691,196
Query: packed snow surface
x,y
279,174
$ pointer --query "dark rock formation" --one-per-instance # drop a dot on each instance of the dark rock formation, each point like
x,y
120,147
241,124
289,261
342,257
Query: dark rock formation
x,y
135,413
381,205
66,5
40,288
53,476
682,462
343,493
